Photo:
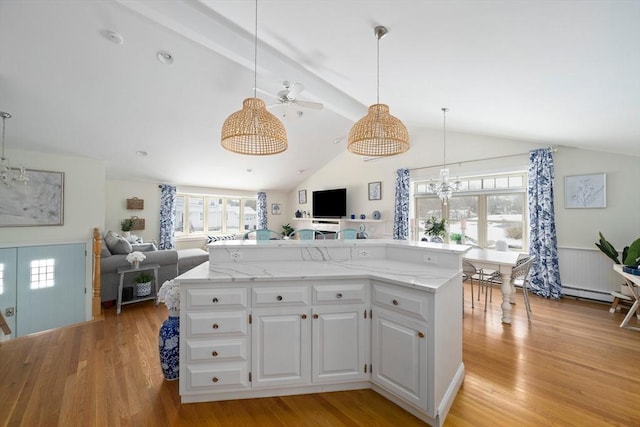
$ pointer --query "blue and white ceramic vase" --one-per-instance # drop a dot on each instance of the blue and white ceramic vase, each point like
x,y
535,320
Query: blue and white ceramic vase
x,y
169,345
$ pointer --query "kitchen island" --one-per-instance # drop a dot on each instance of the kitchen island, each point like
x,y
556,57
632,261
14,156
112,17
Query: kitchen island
x,y
270,318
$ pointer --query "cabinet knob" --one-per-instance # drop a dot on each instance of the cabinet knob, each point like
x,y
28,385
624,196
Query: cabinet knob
x,y
315,316
338,296
279,297
215,300
304,316
214,379
214,353
395,302
215,326
421,334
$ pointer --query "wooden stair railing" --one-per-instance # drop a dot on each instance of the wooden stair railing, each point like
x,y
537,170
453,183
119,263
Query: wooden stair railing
x,y
96,307
4,326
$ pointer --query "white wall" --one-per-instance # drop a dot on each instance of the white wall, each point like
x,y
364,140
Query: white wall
x,y
576,228
117,193
84,201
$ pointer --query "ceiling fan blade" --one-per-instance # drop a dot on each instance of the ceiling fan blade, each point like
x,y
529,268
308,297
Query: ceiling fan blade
x,y
309,104
294,91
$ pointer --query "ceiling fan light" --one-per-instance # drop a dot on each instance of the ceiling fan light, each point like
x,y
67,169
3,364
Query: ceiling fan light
x,y
378,134
254,130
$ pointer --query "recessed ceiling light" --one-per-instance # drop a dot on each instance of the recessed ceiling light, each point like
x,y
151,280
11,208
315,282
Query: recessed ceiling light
x,y
299,171
249,170
142,153
112,36
164,57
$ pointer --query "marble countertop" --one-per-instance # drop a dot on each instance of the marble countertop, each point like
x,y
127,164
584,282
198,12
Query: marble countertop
x,y
425,277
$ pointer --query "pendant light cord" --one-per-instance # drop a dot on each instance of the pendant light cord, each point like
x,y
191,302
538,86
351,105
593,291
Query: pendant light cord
x,y
444,127
255,54
3,119
378,73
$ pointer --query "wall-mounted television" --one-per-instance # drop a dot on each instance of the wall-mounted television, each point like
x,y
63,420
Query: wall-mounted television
x,y
330,203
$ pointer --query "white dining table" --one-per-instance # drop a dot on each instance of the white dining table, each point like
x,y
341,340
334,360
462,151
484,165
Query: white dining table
x,y
503,262
633,282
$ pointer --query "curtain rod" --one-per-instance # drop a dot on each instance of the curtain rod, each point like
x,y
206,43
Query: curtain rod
x,y
506,156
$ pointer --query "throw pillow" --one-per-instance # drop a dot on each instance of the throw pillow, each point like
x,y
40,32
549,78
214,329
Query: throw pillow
x,y
105,250
117,244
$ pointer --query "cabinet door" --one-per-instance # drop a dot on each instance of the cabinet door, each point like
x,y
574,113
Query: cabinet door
x,y
339,344
399,356
280,350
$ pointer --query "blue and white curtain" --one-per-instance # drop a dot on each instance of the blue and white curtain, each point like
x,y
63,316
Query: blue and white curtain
x,y
167,216
545,272
401,216
262,210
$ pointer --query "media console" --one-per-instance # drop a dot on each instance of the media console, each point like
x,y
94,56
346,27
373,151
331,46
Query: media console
x,y
332,225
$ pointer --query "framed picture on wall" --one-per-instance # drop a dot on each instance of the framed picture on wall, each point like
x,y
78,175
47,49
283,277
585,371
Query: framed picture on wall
x,y
37,202
276,208
375,190
302,197
585,191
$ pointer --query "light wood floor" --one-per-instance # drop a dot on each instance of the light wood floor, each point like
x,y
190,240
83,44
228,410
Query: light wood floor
x,y
573,366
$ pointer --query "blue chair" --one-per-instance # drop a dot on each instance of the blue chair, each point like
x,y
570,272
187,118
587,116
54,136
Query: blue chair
x,y
347,234
262,234
306,234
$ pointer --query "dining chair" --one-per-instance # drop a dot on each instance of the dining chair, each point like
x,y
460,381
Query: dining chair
x,y
262,234
347,234
306,234
469,272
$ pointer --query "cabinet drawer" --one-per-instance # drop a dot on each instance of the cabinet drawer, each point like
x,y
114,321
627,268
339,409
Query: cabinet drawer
x,y
220,350
345,294
222,376
223,298
405,301
280,296
216,324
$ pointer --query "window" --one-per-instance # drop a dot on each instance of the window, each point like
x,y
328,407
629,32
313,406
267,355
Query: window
x,y
1,278
42,273
486,210
198,215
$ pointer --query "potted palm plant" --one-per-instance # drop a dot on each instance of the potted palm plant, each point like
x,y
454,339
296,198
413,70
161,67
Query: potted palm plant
x,y
126,225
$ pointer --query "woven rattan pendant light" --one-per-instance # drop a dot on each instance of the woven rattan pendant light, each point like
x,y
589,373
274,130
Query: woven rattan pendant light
x,y
378,133
253,130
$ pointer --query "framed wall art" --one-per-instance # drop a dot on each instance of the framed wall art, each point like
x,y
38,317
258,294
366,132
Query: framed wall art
x,y
37,202
585,191
375,190
276,208
302,197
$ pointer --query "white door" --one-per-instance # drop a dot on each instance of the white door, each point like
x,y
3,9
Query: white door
x,y
280,350
8,289
399,356
339,345
50,287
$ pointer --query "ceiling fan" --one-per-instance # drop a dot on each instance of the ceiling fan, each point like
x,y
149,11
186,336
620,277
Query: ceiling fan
x,y
288,97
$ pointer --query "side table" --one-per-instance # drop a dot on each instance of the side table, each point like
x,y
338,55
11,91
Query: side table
x,y
633,282
143,267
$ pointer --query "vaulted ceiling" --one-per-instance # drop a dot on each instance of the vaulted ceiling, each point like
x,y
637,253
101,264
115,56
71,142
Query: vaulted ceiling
x,y
550,72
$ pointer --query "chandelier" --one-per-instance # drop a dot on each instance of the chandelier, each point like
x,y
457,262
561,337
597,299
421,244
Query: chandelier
x,y
254,130
9,175
378,133
444,189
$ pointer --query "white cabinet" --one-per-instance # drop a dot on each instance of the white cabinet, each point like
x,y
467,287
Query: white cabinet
x,y
214,352
399,359
280,347
340,344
